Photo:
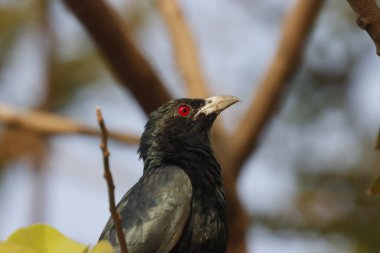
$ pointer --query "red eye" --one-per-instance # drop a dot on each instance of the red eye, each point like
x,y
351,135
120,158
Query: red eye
x,y
183,110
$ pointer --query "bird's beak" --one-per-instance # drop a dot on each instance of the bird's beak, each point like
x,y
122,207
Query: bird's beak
x,y
217,104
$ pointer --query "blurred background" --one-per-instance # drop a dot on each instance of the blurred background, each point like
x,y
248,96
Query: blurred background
x,y
304,187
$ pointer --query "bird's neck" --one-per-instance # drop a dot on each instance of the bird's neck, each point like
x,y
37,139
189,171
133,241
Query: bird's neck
x,y
194,156
175,151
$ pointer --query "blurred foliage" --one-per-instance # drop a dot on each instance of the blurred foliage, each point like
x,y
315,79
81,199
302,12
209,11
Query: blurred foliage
x,y
13,19
64,77
375,186
68,76
19,143
329,201
330,204
337,203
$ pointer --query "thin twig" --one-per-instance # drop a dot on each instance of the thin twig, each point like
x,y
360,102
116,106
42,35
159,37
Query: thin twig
x,y
108,32
47,124
368,19
295,31
111,187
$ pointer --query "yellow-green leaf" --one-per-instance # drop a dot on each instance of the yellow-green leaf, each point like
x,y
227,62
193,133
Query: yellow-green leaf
x,y
10,247
102,247
45,239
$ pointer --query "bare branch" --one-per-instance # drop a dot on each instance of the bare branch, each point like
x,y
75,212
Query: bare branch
x,y
368,19
48,123
185,49
107,31
297,26
188,63
111,187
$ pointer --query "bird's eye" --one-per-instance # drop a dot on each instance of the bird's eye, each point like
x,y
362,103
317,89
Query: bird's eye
x,y
183,110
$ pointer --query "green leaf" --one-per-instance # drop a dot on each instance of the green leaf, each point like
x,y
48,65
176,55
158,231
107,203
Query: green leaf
x,y
44,239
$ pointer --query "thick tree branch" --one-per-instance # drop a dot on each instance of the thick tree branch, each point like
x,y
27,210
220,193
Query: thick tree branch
x,y
185,49
110,185
368,19
297,26
107,31
47,124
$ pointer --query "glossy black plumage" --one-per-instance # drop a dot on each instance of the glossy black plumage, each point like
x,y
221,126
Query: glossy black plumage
x,y
178,205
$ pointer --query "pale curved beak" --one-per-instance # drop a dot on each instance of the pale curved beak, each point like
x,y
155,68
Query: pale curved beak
x,y
217,104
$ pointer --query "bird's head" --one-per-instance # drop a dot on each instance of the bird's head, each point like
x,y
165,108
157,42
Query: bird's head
x,y
181,122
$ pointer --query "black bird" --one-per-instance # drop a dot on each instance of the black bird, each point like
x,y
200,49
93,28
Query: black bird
x,y
179,204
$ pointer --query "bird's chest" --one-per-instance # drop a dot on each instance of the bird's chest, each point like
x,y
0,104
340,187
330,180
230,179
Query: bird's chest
x,y
209,228
206,230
